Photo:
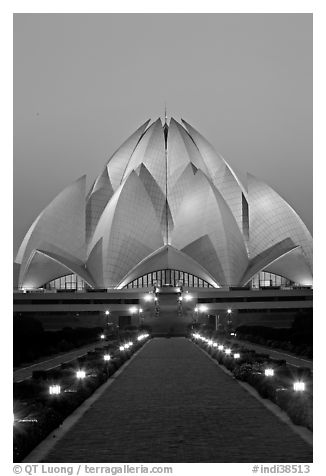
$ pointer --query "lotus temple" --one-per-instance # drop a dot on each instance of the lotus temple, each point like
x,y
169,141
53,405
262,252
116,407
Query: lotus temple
x,y
166,214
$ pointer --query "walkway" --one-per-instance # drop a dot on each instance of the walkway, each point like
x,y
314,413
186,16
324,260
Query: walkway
x,y
173,404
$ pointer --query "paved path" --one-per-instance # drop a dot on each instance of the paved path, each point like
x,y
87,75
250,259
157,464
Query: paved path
x,y
173,404
291,359
24,373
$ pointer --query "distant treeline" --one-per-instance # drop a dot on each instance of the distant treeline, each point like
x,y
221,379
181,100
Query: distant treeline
x,y
297,339
31,341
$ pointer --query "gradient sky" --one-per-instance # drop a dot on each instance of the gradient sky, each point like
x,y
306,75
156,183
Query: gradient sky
x,y
84,82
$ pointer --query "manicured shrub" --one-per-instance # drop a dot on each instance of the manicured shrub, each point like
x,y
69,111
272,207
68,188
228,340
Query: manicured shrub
x,y
297,405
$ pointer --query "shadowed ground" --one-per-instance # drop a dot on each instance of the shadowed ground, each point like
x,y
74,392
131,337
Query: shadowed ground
x,y
173,404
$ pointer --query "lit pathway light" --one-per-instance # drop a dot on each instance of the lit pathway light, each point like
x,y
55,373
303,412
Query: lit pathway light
x,y
215,344
54,389
299,386
228,351
236,356
122,348
102,336
107,312
106,357
269,372
220,347
81,374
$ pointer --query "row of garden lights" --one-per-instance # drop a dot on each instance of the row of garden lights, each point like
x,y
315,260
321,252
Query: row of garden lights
x,y
220,347
298,386
142,337
81,374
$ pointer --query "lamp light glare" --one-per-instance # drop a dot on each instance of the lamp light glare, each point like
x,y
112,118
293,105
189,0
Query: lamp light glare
x,y
220,347
80,374
215,344
236,356
107,357
102,336
299,386
229,311
228,351
54,389
269,372
107,312
133,310
122,348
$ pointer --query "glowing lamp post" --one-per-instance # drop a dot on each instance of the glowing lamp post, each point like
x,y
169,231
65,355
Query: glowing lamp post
x,y
107,357
220,347
122,348
203,308
102,336
80,374
54,389
228,351
299,386
236,356
269,372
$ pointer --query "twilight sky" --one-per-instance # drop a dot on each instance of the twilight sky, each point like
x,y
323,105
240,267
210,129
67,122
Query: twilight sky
x,y
84,82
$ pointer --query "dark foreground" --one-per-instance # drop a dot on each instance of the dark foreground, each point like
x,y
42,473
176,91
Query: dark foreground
x,y
173,404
